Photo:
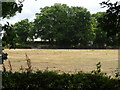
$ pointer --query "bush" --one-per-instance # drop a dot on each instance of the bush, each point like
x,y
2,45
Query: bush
x,y
46,80
51,80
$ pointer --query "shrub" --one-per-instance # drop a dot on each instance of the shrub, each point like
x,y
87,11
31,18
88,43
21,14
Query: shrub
x,y
51,80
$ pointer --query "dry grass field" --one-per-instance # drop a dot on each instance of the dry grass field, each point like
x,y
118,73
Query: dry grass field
x,y
66,60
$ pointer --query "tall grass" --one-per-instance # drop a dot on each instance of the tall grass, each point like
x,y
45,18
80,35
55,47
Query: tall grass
x,y
28,63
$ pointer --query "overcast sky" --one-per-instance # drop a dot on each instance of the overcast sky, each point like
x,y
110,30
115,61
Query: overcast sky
x,y
30,7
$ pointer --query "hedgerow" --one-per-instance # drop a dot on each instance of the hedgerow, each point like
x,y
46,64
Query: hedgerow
x,y
49,80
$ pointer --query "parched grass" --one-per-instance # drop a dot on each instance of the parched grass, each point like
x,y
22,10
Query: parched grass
x,y
66,60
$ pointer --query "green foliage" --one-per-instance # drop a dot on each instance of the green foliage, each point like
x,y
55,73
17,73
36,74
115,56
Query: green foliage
x,y
112,17
9,9
22,30
101,35
47,80
68,26
100,39
98,70
111,21
16,34
9,38
65,27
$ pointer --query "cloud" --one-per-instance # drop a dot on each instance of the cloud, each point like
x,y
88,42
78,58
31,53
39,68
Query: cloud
x,y
30,7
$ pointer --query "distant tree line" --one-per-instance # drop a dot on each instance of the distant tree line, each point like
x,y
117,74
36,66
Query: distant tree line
x,y
62,26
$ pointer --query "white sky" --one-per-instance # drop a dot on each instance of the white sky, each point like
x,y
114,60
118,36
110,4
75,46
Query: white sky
x,y
30,7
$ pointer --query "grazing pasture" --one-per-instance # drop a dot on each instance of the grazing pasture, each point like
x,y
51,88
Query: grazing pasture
x,y
64,60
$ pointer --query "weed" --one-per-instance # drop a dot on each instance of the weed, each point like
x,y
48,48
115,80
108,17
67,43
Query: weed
x,y
98,70
10,66
28,63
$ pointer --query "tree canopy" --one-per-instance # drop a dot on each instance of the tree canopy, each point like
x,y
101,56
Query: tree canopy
x,y
22,29
65,25
9,9
111,21
100,39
